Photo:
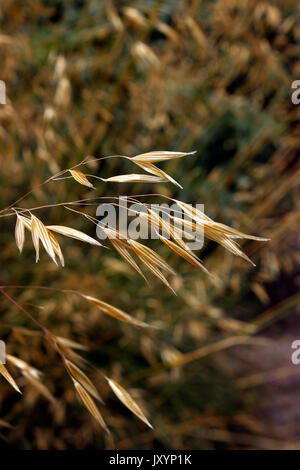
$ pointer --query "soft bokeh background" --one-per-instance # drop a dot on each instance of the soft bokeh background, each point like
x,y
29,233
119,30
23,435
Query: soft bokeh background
x,y
102,78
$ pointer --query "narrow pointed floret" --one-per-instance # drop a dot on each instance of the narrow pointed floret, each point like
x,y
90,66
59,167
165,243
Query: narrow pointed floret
x,y
40,232
73,233
20,233
127,400
160,155
81,178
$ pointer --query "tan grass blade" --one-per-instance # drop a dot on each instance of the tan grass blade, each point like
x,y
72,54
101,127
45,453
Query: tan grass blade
x,y
73,233
150,255
172,231
116,312
8,377
81,178
35,239
227,243
159,156
134,178
26,221
220,233
82,379
111,233
175,235
152,218
182,224
20,233
156,272
150,168
234,248
120,247
233,233
56,248
184,254
128,401
188,229
194,213
22,365
199,216
90,404
68,343
40,232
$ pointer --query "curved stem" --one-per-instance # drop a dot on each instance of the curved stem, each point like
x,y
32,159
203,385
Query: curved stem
x,y
60,173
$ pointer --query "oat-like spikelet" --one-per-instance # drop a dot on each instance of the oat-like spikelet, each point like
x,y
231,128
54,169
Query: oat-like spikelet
x,y
220,233
35,240
73,233
184,254
21,224
159,156
81,178
26,221
44,233
8,377
232,232
146,253
20,233
148,257
154,269
68,343
135,178
166,226
116,312
90,404
82,379
120,246
32,375
127,400
202,218
145,161
150,168
194,213
40,232
56,247
227,243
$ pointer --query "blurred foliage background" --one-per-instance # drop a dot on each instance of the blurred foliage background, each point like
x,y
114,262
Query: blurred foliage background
x,y
116,77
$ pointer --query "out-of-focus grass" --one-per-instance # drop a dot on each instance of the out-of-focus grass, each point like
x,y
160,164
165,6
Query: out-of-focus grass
x,y
102,78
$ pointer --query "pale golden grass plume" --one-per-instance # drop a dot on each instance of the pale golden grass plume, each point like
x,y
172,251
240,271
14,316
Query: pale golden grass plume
x,y
127,248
